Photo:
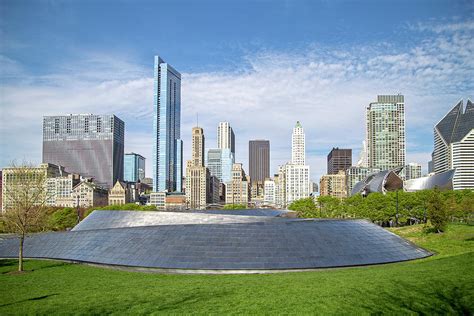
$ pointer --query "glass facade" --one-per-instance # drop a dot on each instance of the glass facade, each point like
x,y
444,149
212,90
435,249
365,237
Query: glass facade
x,y
220,162
134,167
167,145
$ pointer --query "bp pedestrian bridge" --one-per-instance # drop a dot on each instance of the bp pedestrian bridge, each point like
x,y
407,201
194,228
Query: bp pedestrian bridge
x,y
247,241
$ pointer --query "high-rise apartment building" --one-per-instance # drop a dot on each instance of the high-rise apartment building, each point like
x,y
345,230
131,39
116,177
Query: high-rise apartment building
x,y
357,174
225,137
454,145
259,160
90,145
385,132
197,175
412,171
333,185
339,160
167,145
134,167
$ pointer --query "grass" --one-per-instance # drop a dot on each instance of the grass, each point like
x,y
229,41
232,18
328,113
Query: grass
x,y
442,284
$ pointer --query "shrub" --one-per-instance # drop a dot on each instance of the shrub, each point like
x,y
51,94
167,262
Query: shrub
x,y
235,206
305,207
63,219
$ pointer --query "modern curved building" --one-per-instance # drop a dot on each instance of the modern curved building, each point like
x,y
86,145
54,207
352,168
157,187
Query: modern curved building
x,y
217,242
383,181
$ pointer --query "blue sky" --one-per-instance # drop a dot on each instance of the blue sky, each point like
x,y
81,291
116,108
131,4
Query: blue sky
x,y
261,65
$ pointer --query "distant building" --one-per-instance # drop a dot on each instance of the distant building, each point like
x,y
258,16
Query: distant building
x,y
175,202
167,146
61,189
296,174
333,185
237,190
158,199
11,179
197,175
269,192
225,137
385,132
454,145
122,193
412,171
298,153
86,144
214,192
357,174
88,194
134,167
220,161
259,161
339,160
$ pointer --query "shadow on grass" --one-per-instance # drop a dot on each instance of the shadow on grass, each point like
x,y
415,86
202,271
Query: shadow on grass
x,y
190,300
13,263
438,299
30,299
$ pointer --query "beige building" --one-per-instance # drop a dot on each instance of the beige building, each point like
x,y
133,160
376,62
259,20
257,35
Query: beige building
x,y
88,194
237,190
197,175
122,193
333,185
11,178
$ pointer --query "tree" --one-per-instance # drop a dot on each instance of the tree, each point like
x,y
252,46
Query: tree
x,y
25,195
305,207
437,212
235,206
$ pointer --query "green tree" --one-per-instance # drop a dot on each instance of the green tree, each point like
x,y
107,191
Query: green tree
x,y
63,218
437,213
304,207
25,198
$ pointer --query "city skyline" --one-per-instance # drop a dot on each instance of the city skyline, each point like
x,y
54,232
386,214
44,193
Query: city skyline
x,y
416,56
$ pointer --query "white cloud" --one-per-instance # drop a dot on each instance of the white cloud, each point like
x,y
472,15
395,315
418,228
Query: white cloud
x,y
326,88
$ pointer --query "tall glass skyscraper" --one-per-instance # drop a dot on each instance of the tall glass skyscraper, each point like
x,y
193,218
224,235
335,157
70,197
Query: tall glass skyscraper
x,y
167,145
133,167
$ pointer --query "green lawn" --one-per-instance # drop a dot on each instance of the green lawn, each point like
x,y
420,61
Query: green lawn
x,y
442,284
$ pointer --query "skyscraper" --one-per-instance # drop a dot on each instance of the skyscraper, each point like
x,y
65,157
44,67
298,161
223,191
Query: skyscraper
x,y
225,137
259,160
90,145
298,145
339,160
134,167
197,176
167,145
385,132
296,173
454,145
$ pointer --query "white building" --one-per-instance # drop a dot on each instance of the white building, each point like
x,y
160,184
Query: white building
x,y
298,145
269,192
293,178
454,145
412,171
225,137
